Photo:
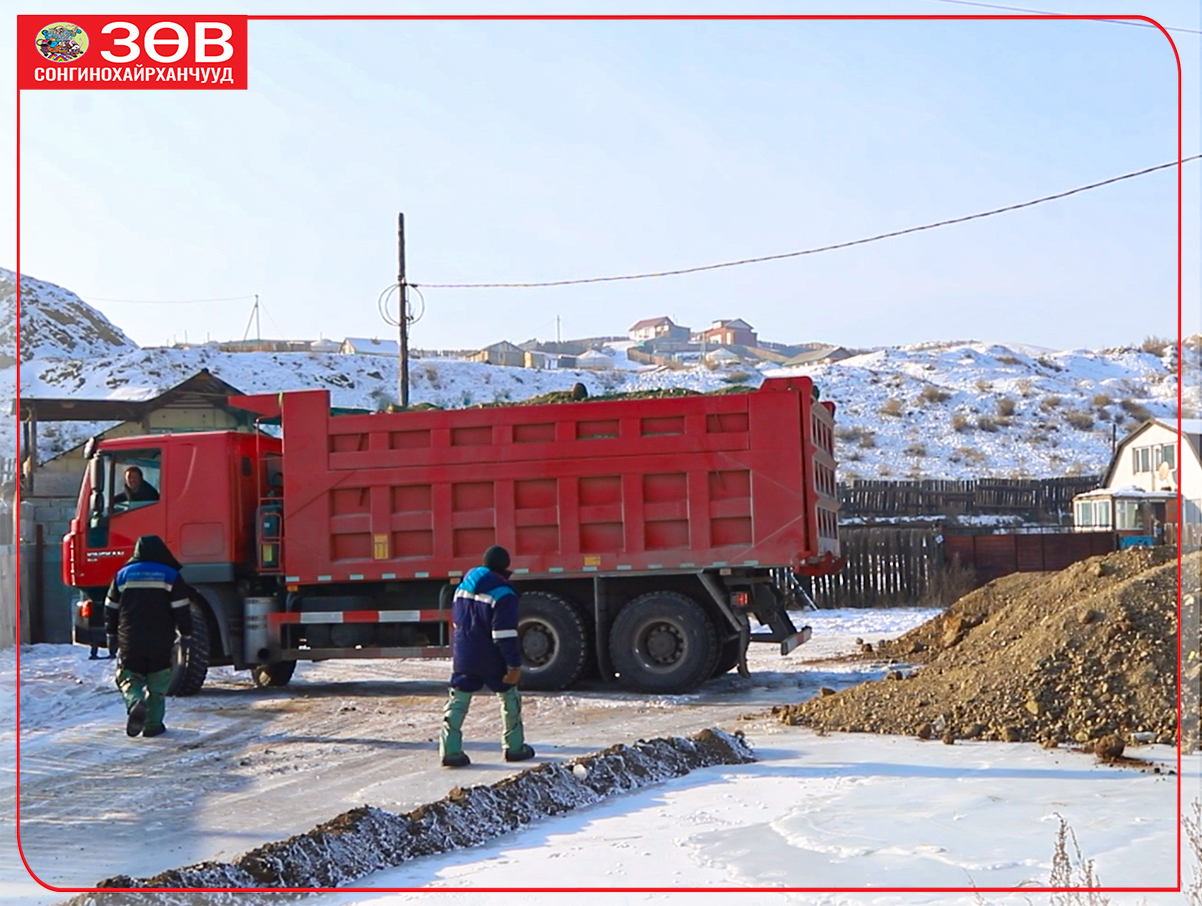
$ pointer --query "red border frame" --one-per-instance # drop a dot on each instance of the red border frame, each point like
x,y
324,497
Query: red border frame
x,y
661,18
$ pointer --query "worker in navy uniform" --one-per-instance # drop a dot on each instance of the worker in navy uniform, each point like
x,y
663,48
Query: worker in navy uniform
x,y
137,489
147,604
485,653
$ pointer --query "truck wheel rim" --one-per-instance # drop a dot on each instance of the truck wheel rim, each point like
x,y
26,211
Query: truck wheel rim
x,y
538,642
661,645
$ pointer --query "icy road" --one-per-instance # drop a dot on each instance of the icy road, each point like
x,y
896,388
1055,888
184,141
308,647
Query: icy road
x,y
242,766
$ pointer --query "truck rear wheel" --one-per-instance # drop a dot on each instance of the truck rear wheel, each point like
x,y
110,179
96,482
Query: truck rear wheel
x,y
189,667
277,674
663,642
553,639
728,656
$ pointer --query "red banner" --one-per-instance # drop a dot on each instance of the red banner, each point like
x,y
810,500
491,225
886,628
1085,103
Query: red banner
x,y
176,52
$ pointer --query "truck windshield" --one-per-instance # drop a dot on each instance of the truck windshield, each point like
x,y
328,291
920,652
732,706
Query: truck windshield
x,y
132,479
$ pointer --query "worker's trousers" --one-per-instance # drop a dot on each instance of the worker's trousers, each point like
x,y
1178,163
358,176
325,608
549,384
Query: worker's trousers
x,y
150,688
450,741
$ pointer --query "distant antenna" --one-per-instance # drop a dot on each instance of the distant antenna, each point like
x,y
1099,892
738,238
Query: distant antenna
x,y
254,316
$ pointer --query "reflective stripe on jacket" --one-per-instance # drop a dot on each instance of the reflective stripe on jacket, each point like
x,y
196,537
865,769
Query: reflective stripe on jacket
x,y
484,614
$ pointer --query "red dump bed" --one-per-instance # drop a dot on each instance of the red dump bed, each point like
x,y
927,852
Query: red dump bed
x,y
744,479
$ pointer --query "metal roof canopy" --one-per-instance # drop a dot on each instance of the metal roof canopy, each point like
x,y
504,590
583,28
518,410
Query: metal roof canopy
x,y
202,388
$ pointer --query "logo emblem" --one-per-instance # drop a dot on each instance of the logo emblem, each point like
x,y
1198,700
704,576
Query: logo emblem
x,y
62,42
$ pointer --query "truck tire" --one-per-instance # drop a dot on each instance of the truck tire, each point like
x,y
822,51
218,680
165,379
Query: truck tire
x,y
190,667
728,656
663,642
553,640
277,674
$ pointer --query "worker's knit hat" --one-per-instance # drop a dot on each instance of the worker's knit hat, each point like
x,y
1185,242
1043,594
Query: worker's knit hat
x,y
496,558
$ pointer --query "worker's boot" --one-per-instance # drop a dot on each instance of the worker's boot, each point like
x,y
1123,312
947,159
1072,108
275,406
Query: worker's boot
x,y
156,701
133,692
514,739
450,740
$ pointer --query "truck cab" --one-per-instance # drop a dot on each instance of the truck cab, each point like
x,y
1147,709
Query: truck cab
x,y
199,492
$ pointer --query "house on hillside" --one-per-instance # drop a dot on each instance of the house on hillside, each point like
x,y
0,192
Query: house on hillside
x,y
503,353
536,358
736,332
819,354
325,345
660,328
364,346
1138,496
595,360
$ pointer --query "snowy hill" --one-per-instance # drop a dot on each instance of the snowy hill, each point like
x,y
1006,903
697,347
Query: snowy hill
x,y
933,410
55,323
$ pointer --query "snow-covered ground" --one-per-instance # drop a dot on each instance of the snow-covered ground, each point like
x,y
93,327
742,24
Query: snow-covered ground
x,y
937,410
841,810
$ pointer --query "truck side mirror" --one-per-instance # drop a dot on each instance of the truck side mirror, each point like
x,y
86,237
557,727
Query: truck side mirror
x,y
95,475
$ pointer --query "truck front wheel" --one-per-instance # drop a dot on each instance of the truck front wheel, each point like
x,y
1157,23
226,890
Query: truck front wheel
x,y
191,665
663,642
553,640
277,674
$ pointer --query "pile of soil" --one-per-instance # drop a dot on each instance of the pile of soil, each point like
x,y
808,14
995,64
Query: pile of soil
x,y
1079,656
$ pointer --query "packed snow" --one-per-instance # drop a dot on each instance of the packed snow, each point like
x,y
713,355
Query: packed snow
x,y
945,409
815,811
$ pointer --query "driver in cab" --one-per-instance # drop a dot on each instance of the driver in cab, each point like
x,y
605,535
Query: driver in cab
x,y
137,490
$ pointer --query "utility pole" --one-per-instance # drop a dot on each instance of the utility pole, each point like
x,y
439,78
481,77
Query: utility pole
x,y
403,317
558,338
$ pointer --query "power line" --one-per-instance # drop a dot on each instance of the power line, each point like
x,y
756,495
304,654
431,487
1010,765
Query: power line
x,y
1044,12
813,251
170,301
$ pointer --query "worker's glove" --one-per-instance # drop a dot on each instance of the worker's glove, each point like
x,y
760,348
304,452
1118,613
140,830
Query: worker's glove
x,y
512,677
185,643
112,645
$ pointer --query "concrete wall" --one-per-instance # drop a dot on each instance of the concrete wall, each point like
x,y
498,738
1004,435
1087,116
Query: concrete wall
x,y
47,619
8,596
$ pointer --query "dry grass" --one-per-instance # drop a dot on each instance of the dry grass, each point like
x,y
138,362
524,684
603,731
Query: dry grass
x,y
918,449
1082,421
1100,399
986,423
893,408
971,454
1070,869
1137,411
933,394
1193,833
1049,402
983,385
1009,360
1155,345
1006,407
961,423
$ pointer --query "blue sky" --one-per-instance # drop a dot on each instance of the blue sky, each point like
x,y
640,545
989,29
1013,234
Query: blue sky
x,y
540,151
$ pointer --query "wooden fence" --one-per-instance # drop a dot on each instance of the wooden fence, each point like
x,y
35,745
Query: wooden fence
x,y
887,566
904,565
1033,499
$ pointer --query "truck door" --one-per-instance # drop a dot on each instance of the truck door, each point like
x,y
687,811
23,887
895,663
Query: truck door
x,y
127,504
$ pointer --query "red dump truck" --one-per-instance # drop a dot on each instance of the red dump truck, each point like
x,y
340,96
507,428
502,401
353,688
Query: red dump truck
x,y
645,534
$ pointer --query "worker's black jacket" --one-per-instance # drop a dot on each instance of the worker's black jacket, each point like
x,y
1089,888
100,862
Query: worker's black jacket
x,y
146,604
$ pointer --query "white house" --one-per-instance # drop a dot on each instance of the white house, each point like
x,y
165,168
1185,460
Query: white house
x,y
364,346
1140,486
325,345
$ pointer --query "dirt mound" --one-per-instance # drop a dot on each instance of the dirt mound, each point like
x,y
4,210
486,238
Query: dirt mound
x,y
1073,656
368,839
